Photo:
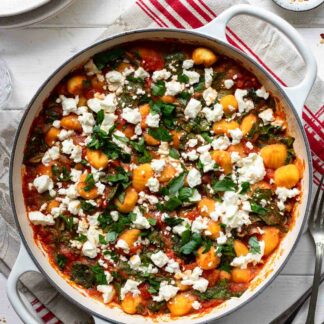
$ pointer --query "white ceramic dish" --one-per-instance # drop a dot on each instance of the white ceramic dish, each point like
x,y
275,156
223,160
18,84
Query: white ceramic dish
x,y
17,7
37,15
298,5
31,256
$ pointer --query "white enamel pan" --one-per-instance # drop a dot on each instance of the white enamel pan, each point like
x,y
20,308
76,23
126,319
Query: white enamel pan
x,y
32,258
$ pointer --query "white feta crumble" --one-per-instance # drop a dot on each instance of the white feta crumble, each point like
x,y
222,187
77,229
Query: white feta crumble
x,y
193,108
115,80
120,140
244,105
262,93
158,165
164,148
161,75
250,169
152,120
192,278
153,184
108,292
65,134
180,228
221,239
57,123
43,183
114,215
75,175
135,261
160,259
132,116
192,142
87,122
51,154
121,244
236,135
207,161
221,143
141,73
108,122
173,88
209,72
228,83
91,68
140,221
196,305
194,178
249,145
89,249
267,116
74,207
172,266
166,292
38,218
199,224
192,76
215,114
284,194
187,64
69,105
131,286
243,261
209,96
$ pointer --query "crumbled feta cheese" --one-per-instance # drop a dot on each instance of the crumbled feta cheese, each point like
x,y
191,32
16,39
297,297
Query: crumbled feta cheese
x,y
236,135
65,134
187,64
38,218
192,76
207,161
89,249
158,165
243,104
134,261
166,292
164,148
51,154
199,224
215,114
267,116
195,196
132,116
251,169
108,122
228,83
121,244
74,207
87,122
115,80
131,286
221,239
262,93
249,145
196,305
152,120
75,151
172,266
209,72
194,178
192,278
43,183
120,139
69,105
114,215
180,228
108,292
160,259
284,194
140,221
243,261
141,73
173,88
201,285
192,142
221,143
75,175
57,123
209,96
193,108
161,75
153,184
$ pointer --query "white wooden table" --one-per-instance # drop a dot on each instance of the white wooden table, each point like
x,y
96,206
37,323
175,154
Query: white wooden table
x,y
32,54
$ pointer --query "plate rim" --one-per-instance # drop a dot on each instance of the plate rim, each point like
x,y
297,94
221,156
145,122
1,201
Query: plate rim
x,y
24,10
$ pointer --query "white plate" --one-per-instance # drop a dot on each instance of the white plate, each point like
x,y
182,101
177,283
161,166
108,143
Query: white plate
x,y
16,7
298,5
49,9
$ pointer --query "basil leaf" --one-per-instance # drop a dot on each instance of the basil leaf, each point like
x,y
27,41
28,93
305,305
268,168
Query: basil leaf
x,y
174,153
60,260
152,221
100,116
258,209
158,89
192,245
185,193
254,245
89,181
245,187
110,56
160,134
111,236
176,183
172,204
183,78
226,184
173,221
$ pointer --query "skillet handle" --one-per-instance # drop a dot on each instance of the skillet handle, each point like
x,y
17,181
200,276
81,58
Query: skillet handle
x,y
22,265
297,94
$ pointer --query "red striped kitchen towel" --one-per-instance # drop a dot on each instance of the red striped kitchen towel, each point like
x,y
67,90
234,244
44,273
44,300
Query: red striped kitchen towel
x,y
255,38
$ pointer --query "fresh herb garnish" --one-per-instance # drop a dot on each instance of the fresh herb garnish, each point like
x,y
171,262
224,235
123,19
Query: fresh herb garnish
x,y
160,134
158,89
254,245
174,153
226,184
61,260
89,181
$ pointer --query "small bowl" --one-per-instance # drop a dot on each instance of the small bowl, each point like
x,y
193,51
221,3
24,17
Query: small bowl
x,y
298,5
